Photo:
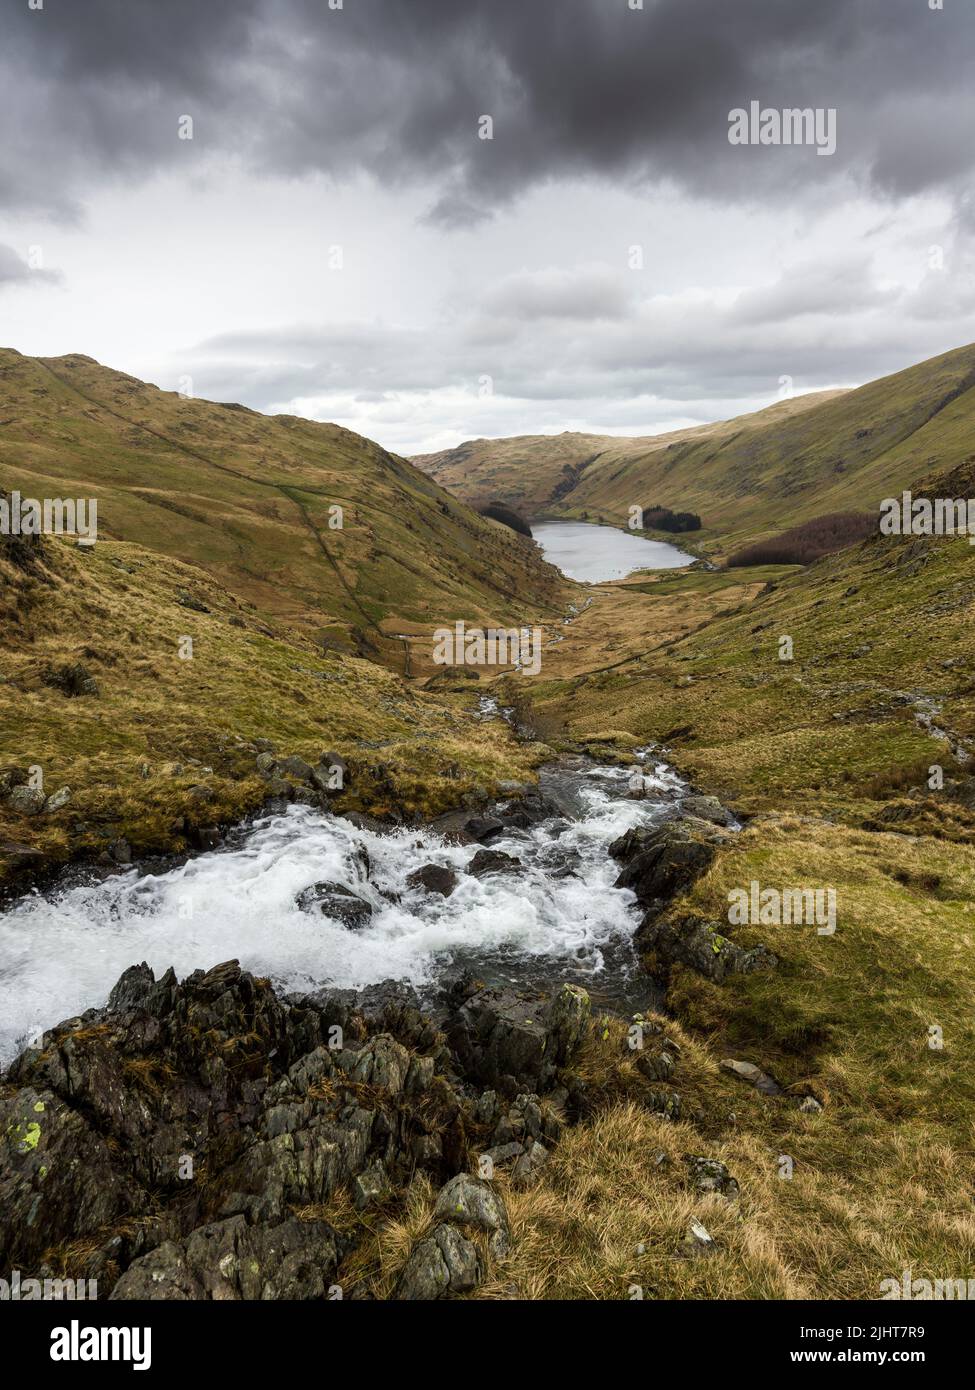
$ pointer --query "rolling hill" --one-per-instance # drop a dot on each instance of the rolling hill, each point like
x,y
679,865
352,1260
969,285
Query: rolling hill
x,y
749,477
250,499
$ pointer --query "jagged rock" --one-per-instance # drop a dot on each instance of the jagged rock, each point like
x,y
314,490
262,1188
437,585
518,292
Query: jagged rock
x,y
711,1175
26,801
658,1064
809,1105
708,808
660,863
266,762
747,1071
529,1165
492,861
58,800
229,1260
58,1179
484,828
446,1262
666,1103
469,1201
337,901
370,1188
700,945
16,859
514,1041
434,878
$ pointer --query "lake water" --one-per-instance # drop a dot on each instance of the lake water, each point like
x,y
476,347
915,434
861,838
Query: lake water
x,y
594,554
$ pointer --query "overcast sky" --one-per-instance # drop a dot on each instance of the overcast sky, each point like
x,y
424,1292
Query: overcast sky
x,y
337,241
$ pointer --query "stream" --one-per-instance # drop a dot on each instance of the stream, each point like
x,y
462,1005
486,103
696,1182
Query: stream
x,y
556,917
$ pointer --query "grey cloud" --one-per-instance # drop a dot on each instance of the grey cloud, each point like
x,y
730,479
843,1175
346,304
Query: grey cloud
x,y
815,288
14,270
577,88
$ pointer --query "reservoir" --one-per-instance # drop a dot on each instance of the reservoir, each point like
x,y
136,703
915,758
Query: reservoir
x,y
594,554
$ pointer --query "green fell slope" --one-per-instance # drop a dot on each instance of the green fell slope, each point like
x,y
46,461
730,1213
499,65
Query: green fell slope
x,y
249,499
750,477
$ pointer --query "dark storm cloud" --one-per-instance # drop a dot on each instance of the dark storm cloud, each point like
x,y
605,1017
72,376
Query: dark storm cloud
x,y
576,88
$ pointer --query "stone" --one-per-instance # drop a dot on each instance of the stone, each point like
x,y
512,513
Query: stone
x,y
492,861
434,878
660,863
708,808
72,679
484,828
809,1105
698,1242
529,1165
686,939
469,1201
370,1188
337,901
230,1260
295,767
26,801
446,1262
187,600
747,1071
708,1175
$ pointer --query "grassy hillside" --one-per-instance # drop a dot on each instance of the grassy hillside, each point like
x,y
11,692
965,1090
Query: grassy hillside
x,y
162,746
247,497
541,474
750,477
828,759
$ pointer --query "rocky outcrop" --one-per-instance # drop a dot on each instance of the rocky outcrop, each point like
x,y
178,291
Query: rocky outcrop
x,y
692,941
660,862
185,1141
513,1044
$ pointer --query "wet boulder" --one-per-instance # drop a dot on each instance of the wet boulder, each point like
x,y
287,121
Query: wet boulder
x,y
492,861
707,808
434,878
661,862
336,901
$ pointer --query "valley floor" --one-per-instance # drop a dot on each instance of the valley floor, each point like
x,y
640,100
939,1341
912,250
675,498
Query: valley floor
x,y
825,758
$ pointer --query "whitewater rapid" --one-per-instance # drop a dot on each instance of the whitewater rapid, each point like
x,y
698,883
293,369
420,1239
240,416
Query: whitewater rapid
x,y
558,916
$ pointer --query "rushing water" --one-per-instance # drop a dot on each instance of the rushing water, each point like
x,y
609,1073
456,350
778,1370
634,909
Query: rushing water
x,y
557,917
595,554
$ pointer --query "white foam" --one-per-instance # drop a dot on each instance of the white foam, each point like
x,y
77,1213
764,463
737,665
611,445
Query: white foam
x,y
61,954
